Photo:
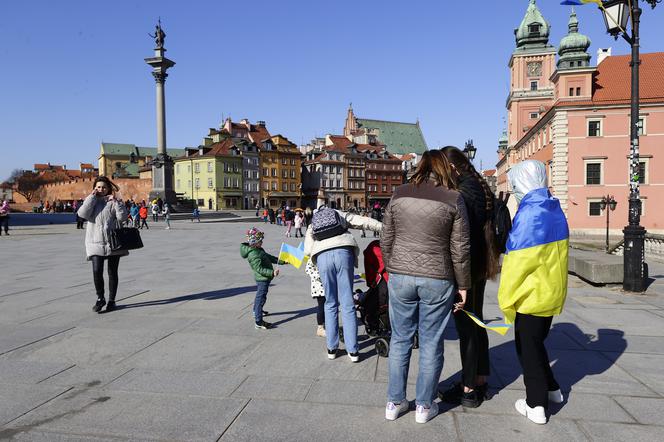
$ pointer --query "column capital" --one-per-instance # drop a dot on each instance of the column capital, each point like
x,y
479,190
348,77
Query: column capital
x,y
159,76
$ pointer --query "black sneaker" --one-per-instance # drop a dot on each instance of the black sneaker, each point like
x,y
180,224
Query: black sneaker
x,y
354,357
473,399
265,313
101,302
110,306
262,325
452,395
332,354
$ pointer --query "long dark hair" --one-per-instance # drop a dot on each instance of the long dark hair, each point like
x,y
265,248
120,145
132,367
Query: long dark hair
x,y
103,179
434,166
465,168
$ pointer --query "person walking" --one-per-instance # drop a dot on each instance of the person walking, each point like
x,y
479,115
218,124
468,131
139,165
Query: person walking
x,y
428,262
377,214
143,215
134,213
4,217
155,211
266,215
104,211
334,251
289,218
166,213
470,391
299,222
196,215
533,282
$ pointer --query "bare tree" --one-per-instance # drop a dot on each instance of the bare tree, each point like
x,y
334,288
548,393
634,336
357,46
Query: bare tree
x,y
26,183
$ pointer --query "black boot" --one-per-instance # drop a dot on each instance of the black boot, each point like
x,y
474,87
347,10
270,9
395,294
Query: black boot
x,y
101,302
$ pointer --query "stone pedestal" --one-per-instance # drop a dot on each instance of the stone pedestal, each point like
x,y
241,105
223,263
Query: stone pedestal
x,y
162,179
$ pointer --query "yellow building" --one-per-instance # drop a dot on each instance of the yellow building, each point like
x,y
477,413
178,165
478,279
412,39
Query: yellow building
x,y
211,175
125,160
281,164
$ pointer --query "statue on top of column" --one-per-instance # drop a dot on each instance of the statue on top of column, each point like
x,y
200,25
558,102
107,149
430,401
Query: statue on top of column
x,y
159,35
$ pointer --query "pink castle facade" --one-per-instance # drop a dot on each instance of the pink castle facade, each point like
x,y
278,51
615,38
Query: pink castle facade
x,y
576,120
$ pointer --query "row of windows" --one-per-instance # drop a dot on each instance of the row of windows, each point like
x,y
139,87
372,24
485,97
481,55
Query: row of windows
x,y
231,183
285,173
273,185
594,172
251,174
373,176
595,127
384,166
383,188
284,161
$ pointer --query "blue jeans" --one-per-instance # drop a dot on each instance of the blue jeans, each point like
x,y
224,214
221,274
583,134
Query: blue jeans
x,y
261,297
336,273
423,305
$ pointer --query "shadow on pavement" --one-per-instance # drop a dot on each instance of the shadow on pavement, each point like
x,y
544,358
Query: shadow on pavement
x,y
207,296
569,366
297,314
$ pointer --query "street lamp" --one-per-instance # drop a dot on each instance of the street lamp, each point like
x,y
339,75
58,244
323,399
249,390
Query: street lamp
x,y
616,17
609,201
470,150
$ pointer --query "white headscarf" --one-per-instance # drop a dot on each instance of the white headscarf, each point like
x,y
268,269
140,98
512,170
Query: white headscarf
x,y
526,176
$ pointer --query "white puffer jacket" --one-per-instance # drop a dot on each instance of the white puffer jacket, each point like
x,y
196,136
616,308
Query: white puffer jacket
x,y
312,247
102,216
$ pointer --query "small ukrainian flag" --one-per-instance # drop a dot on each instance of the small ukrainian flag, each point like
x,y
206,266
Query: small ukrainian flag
x,y
292,255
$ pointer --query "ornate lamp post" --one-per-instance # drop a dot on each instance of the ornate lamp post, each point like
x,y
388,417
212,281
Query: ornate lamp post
x,y
470,150
616,17
609,201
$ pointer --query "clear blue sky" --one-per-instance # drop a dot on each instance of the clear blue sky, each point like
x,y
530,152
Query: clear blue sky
x,y
72,72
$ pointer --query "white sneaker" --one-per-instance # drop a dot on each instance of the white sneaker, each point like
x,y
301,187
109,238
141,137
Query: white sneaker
x,y
320,331
556,396
424,415
536,415
393,411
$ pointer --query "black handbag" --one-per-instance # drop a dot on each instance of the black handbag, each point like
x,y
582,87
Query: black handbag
x,y
125,238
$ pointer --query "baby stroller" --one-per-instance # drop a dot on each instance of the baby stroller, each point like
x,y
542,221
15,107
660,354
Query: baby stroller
x,y
373,304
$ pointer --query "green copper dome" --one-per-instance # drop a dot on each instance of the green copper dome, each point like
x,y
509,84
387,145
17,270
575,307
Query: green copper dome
x,y
533,32
573,47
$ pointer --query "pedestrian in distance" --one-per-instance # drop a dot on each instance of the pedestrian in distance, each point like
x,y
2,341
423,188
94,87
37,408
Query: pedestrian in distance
x,y
299,222
196,215
4,217
428,262
289,218
258,208
266,215
134,214
143,215
470,391
104,211
261,264
273,215
377,214
334,251
533,283
155,211
317,293
166,213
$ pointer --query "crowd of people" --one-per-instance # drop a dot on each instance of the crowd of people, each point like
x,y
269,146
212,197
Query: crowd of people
x,y
439,247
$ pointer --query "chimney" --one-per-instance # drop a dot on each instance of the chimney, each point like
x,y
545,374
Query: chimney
x,y
603,53
260,123
246,123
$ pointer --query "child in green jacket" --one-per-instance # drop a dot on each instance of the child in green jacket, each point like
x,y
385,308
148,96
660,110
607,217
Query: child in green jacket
x,y
261,263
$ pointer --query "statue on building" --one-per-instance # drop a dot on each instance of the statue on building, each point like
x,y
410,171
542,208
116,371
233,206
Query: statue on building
x,y
159,35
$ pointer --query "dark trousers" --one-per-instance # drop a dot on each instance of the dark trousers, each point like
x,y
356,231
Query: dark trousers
x,y
144,222
4,224
79,222
155,217
530,333
98,275
320,310
261,297
473,340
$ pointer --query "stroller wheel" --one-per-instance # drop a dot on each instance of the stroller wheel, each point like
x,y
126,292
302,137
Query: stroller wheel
x,y
382,347
416,341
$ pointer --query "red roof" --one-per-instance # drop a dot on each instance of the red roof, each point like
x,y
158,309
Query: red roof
x,y
613,78
87,166
339,142
489,172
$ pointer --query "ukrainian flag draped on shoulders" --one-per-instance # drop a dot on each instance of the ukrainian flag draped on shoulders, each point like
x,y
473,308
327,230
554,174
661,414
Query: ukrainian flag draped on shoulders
x,y
533,279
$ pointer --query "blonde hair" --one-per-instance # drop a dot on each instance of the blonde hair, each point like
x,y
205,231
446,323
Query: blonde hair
x,y
434,166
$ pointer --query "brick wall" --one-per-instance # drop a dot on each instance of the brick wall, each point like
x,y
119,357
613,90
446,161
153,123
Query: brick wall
x,y
137,189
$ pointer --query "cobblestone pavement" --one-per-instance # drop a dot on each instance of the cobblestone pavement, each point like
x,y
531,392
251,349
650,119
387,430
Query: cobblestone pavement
x,y
181,359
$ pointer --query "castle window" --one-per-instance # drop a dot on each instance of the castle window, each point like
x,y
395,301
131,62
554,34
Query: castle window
x,y
594,128
571,92
534,115
578,91
534,28
533,85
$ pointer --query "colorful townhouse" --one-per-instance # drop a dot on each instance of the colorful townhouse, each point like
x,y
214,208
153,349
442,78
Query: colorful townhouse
x,y
281,164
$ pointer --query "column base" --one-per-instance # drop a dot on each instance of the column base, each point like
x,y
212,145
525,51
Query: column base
x,y
635,269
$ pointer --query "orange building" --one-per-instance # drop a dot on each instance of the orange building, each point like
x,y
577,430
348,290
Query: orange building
x,y
281,164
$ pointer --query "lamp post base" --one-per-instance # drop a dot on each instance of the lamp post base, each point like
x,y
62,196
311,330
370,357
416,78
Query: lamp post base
x,y
635,271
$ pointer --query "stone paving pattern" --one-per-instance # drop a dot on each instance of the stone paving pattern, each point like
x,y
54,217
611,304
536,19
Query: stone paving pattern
x,y
181,359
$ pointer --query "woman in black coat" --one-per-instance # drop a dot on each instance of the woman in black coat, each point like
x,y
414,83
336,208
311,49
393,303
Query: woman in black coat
x,y
473,340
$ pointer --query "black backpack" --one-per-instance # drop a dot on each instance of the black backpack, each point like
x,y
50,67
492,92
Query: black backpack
x,y
327,223
502,220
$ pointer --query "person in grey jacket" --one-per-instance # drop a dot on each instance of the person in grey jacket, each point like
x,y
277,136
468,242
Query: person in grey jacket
x,y
426,250
336,257
104,211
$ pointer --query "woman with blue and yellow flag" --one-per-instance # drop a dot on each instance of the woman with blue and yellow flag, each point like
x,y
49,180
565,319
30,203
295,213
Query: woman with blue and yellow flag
x,y
533,283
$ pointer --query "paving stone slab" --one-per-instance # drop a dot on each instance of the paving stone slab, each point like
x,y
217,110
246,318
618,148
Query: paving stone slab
x,y
186,383
646,368
273,387
27,434
297,421
645,410
18,399
372,394
27,372
621,432
82,377
13,338
111,413
483,427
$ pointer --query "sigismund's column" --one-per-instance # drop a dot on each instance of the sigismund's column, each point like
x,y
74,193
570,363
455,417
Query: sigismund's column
x,y
162,165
